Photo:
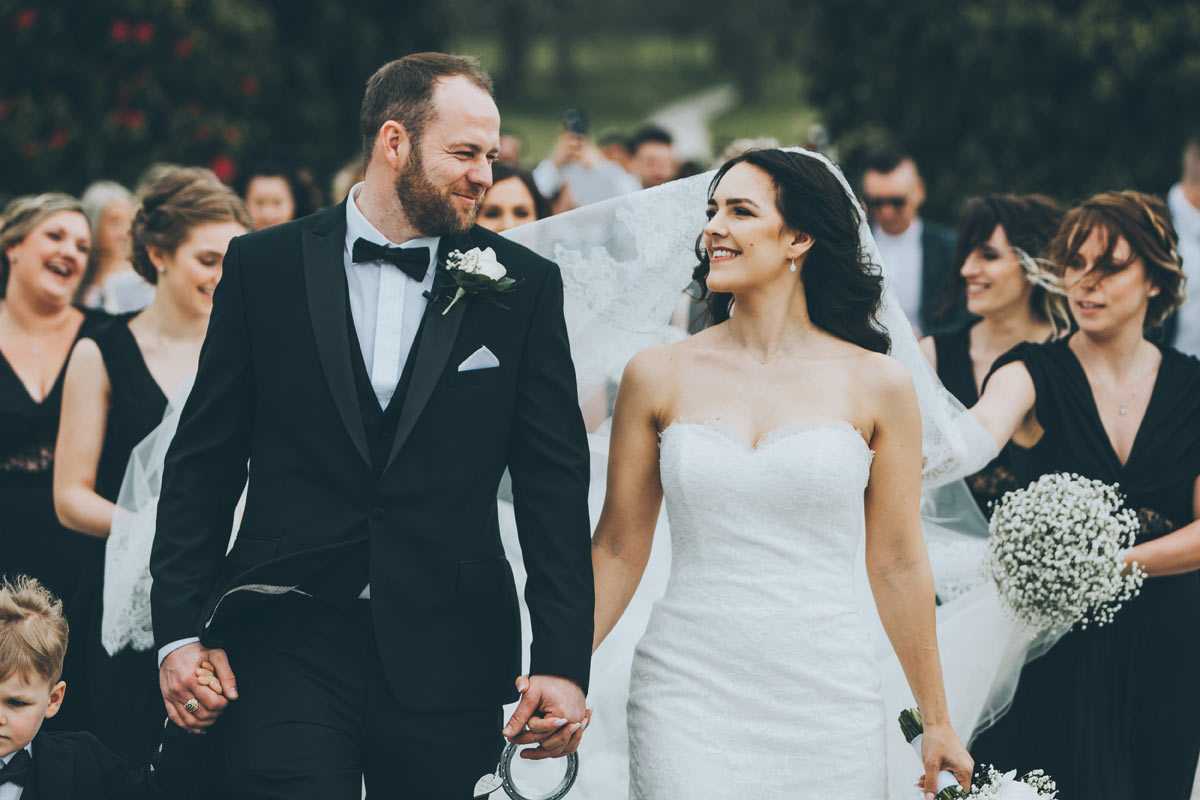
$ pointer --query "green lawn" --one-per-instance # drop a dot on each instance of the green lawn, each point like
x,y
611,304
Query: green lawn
x,y
621,81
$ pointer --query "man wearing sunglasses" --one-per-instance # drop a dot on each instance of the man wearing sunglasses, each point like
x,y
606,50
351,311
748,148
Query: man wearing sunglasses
x,y
919,254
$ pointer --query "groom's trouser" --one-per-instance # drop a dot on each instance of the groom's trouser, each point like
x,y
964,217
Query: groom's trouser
x,y
315,715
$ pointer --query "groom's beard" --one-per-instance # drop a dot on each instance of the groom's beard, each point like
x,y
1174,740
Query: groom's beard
x,y
432,211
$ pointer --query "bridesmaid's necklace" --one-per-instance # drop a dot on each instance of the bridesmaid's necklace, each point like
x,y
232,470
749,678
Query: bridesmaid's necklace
x,y
1124,409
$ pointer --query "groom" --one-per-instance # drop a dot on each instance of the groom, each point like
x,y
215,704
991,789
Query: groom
x,y
365,622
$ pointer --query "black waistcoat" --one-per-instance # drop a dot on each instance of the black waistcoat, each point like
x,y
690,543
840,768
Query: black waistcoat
x,y
380,424
341,581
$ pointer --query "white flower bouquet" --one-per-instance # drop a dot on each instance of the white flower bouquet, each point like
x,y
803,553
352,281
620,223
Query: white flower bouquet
x,y
989,783
1055,552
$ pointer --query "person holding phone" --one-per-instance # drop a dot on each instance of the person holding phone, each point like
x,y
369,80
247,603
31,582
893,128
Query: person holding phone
x,y
576,173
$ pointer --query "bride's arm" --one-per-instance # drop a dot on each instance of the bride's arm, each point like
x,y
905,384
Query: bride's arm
x,y
898,566
621,544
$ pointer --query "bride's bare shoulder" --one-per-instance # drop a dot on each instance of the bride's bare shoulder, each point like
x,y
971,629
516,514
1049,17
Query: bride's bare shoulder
x,y
885,379
659,363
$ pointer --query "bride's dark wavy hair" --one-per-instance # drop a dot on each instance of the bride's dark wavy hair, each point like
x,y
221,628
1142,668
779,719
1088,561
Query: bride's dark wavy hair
x,y
843,288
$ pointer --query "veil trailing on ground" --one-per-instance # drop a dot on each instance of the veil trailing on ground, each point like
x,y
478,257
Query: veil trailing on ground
x,y
626,263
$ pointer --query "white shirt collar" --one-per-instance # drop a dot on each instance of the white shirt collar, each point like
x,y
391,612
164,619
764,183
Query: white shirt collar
x,y
1185,215
27,748
358,226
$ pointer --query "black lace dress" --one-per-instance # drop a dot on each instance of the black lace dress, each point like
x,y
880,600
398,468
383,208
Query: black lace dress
x,y
957,374
126,707
32,542
1113,713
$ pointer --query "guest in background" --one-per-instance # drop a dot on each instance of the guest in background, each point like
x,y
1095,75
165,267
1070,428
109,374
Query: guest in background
x,y
919,254
346,179
614,146
117,386
1184,202
1000,239
110,281
275,194
1109,711
44,246
577,168
653,159
512,200
511,146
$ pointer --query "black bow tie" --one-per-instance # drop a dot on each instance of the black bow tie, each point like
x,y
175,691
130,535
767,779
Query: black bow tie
x,y
412,261
17,770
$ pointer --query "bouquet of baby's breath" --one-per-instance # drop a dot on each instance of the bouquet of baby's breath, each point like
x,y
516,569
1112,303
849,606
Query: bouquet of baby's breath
x,y
989,783
1055,552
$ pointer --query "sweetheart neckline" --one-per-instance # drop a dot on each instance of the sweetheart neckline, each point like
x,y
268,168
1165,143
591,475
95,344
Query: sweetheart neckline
x,y
772,436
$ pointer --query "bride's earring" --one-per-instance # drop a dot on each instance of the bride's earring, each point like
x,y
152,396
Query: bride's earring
x,y
793,265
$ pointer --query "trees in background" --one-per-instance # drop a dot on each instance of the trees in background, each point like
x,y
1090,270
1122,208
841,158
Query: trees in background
x,y
1066,97
1060,96
91,90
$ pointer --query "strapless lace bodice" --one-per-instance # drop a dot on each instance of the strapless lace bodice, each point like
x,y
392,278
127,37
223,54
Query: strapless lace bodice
x,y
794,498
756,677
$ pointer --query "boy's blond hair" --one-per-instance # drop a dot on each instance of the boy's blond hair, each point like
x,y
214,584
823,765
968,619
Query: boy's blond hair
x,y
33,631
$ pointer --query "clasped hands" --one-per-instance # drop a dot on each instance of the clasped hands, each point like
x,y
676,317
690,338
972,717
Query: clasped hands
x,y
552,713
197,685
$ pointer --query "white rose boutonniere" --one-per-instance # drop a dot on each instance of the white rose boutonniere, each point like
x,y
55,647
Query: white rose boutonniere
x,y
476,272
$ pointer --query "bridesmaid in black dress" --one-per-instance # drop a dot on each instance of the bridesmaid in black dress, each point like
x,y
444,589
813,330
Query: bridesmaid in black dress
x,y
999,238
44,246
1113,713
116,391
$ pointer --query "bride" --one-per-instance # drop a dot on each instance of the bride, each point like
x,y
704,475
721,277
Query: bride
x,y
772,437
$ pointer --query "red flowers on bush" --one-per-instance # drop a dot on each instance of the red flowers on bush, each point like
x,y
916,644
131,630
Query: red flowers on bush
x,y
24,19
224,168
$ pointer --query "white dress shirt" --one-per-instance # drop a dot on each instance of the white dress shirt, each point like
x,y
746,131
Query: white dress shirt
x,y
386,306
905,260
10,791
1186,218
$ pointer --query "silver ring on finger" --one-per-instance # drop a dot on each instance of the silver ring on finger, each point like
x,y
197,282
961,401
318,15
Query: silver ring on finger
x,y
192,706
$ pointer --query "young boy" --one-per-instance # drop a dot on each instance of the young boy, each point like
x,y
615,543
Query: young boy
x,y
61,766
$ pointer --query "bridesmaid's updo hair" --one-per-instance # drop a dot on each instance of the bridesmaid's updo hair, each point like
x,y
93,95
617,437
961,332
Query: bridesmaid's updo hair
x,y
22,215
1144,221
842,288
173,202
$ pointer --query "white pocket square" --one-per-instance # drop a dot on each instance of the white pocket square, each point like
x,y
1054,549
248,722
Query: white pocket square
x,y
480,359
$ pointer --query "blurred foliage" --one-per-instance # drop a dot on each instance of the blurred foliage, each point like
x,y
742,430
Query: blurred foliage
x,y
1061,96
91,90
1066,97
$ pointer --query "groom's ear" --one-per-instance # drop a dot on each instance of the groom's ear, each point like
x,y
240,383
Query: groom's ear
x,y
394,144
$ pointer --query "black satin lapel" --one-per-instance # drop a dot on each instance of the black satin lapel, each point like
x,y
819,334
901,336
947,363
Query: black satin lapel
x,y
438,333
325,282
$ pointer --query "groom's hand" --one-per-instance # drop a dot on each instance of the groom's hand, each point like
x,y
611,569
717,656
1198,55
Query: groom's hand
x,y
179,684
552,714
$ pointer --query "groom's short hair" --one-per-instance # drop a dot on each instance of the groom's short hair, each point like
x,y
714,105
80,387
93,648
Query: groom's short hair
x,y
402,90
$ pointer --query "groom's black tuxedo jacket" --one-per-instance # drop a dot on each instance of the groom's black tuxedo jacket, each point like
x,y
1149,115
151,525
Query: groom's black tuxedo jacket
x,y
414,511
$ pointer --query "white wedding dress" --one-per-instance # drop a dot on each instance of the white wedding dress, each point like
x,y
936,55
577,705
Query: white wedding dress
x,y
756,676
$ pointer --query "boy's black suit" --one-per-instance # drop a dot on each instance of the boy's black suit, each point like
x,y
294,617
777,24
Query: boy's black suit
x,y
342,492
76,766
